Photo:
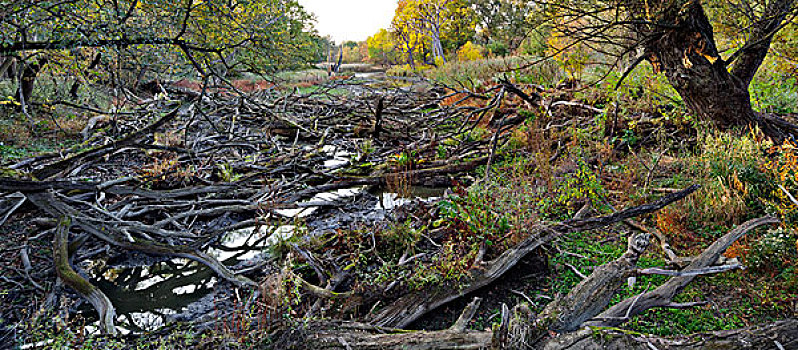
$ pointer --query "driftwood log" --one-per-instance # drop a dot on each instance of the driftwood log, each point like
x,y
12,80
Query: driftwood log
x,y
564,322
346,336
414,305
75,281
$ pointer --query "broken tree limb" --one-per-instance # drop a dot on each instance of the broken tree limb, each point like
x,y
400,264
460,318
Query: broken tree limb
x,y
29,186
320,292
410,307
697,272
772,336
6,206
465,317
588,298
533,100
629,69
663,243
332,335
576,104
664,294
378,117
349,335
523,331
98,300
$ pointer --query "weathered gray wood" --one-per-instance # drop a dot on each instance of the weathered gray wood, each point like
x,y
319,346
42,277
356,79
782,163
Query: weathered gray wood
x,y
112,233
414,305
350,336
778,335
588,298
347,336
664,294
95,296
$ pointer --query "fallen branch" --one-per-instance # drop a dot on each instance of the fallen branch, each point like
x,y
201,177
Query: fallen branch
x,y
698,272
784,333
329,336
594,293
465,317
72,279
74,161
119,235
7,209
414,305
663,295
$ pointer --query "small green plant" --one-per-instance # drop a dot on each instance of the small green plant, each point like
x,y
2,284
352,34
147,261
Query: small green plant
x,y
528,114
441,151
773,252
478,134
366,146
227,174
583,184
450,265
477,217
629,137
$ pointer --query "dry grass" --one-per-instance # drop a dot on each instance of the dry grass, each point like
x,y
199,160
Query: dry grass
x,y
400,180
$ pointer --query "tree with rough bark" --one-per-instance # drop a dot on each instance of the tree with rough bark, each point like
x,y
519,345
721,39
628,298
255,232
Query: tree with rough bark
x,y
407,38
679,40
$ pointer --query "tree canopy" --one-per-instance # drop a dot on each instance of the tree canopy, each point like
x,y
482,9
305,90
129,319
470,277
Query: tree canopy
x,y
133,40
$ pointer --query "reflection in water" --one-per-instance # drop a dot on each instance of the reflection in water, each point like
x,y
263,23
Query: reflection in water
x,y
144,295
389,200
147,296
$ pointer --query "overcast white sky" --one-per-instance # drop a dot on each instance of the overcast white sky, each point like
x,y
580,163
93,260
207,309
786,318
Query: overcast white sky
x,y
353,20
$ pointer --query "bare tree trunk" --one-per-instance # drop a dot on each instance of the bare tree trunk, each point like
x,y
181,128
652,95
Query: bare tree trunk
x,y
437,47
27,79
689,59
410,60
5,66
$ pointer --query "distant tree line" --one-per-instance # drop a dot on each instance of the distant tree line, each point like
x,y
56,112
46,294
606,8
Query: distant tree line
x,y
432,32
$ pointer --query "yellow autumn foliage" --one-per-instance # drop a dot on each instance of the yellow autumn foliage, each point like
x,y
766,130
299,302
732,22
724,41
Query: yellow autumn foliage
x,y
470,52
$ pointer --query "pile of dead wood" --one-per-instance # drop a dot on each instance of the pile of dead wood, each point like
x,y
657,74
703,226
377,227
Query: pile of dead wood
x,y
157,181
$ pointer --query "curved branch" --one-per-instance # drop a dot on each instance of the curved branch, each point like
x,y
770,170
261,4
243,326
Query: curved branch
x,y
94,295
663,295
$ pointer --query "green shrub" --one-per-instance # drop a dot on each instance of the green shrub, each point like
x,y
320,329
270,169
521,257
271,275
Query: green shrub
x,y
773,92
773,252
